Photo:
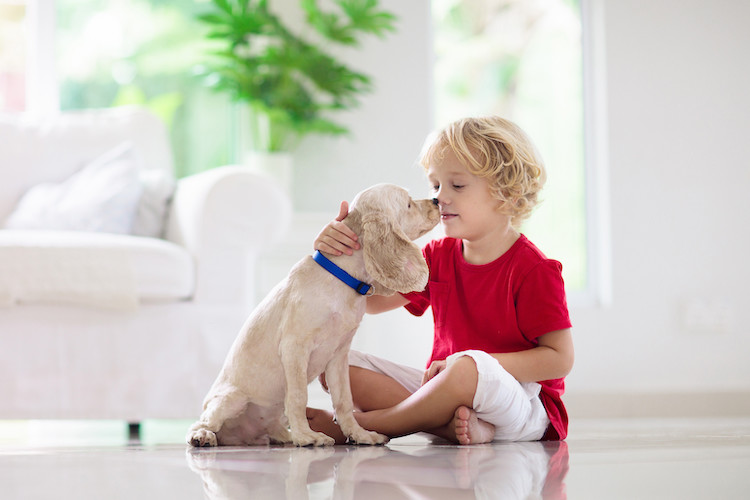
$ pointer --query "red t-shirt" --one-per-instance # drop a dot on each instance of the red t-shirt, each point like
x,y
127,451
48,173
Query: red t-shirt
x,y
500,307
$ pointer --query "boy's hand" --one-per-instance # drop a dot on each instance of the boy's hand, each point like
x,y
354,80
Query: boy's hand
x,y
336,238
435,368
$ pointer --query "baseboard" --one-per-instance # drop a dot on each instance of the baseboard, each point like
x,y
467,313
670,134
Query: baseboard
x,y
667,405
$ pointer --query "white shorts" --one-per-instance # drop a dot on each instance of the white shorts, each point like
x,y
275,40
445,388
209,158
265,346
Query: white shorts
x,y
514,408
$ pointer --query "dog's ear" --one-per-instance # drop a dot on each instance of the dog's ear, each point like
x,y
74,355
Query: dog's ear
x,y
391,258
354,221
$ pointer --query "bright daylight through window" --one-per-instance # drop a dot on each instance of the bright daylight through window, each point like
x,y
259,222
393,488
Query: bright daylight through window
x,y
523,60
518,59
12,55
116,52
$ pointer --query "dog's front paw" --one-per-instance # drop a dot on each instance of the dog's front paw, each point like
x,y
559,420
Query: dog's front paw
x,y
312,438
361,436
201,437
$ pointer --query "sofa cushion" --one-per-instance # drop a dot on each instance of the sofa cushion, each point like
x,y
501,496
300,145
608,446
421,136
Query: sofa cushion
x,y
102,197
153,207
38,149
37,266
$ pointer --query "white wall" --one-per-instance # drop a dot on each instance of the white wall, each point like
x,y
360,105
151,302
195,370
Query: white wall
x,y
679,170
387,130
678,123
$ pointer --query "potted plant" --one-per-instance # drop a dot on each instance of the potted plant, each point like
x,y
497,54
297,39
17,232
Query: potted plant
x,y
290,84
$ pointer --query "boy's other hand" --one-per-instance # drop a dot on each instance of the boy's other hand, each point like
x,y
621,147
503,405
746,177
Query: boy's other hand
x,y
435,368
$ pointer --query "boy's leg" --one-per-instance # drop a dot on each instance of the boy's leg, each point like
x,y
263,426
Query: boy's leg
x,y
387,402
432,408
375,391
370,391
441,407
378,383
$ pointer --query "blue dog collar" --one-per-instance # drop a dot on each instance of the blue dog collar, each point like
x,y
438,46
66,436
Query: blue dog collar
x,y
359,286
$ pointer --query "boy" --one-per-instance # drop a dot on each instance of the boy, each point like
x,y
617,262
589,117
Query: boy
x,y
502,344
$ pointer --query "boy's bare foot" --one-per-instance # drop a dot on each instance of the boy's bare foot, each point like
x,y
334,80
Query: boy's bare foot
x,y
469,429
323,421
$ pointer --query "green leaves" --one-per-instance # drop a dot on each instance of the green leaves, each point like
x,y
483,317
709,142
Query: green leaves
x,y
365,17
293,82
360,16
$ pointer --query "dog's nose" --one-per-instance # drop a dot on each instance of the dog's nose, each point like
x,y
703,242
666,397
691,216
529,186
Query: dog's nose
x,y
435,201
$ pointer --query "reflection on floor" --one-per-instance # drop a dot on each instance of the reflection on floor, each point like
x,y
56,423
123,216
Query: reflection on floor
x,y
682,459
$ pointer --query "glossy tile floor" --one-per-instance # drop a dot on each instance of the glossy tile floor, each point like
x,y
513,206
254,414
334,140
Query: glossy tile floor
x,y
612,459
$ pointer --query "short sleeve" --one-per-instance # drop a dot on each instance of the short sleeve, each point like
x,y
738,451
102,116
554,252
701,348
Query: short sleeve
x,y
420,301
541,305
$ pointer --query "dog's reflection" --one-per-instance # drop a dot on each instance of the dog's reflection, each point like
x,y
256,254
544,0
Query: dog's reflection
x,y
508,471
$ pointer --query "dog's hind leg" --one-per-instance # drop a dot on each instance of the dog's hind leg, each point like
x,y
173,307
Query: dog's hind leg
x,y
279,431
294,360
337,378
217,410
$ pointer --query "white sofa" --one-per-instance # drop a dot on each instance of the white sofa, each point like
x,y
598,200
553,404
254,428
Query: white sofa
x,y
99,323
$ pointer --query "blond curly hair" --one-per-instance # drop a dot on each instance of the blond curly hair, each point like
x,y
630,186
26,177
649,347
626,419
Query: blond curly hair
x,y
498,150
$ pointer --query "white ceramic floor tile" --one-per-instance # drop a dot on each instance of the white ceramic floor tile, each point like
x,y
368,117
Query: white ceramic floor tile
x,y
601,459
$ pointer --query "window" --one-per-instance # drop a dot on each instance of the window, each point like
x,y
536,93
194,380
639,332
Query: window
x,y
523,61
519,59
12,55
119,52
102,53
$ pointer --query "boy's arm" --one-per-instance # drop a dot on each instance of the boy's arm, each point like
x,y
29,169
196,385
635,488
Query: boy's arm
x,y
551,359
382,303
337,238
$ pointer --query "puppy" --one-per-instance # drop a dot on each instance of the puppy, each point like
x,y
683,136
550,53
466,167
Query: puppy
x,y
305,327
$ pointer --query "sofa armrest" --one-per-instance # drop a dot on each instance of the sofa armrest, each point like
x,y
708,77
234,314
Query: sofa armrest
x,y
225,217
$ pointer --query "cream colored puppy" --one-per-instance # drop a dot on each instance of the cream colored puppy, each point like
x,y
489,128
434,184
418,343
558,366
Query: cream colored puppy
x,y
305,327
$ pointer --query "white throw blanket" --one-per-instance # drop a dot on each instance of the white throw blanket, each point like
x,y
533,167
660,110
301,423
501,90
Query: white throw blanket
x,y
99,277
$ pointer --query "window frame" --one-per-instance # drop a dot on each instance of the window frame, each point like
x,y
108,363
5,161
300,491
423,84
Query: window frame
x,y
598,291
42,94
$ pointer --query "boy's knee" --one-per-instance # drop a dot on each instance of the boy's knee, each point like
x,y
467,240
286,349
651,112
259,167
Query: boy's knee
x,y
463,374
464,365
357,374
354,372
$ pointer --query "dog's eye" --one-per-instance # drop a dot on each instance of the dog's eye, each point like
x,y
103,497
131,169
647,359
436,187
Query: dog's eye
x,y
409,204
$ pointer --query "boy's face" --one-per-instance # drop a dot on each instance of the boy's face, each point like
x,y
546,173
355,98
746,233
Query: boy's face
x,y
467,208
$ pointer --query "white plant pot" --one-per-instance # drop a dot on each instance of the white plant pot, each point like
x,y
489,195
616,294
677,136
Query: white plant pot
x,y
277,166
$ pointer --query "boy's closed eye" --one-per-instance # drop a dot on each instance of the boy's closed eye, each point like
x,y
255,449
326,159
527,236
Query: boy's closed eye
x,y
457,187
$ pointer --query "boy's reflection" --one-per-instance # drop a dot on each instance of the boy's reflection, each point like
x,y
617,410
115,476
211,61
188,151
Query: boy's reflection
x,y
500,470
